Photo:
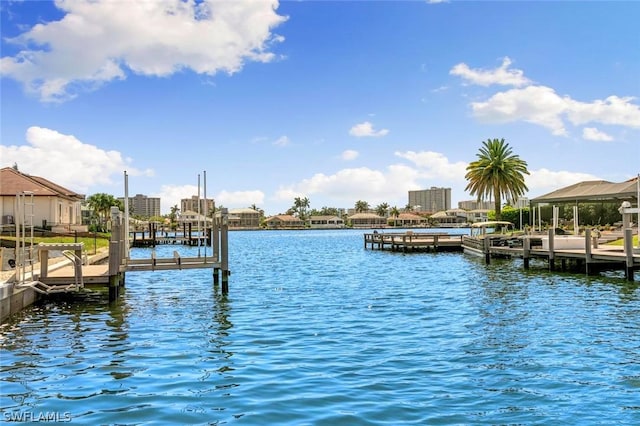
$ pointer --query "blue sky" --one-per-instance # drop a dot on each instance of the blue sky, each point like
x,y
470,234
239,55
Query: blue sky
x,y
335,101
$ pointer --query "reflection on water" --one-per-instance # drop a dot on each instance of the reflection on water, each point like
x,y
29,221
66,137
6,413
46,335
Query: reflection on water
x,y
317,330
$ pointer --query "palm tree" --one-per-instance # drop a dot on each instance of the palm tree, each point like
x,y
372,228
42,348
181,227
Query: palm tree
x,y
173,216
361,206
395,213
300,206
101,204
497,172
381,209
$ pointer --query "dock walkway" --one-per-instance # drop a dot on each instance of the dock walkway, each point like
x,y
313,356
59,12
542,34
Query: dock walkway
x,y
413,241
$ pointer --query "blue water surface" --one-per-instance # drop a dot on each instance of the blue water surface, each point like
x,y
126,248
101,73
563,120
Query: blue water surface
x,y
318,330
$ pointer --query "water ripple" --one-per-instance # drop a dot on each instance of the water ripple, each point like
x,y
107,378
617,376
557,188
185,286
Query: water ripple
x,y
316,330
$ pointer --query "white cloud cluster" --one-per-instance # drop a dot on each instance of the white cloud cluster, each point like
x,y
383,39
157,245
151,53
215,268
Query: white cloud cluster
x,y
541,105
593,134
66,160
365,129
97,41
435,165
501,75
374,186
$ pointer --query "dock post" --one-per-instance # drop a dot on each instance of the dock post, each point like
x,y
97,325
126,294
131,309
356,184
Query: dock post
x,y
224,250
552,261
587,252
628,251
487,249
114,270
117,253
526,251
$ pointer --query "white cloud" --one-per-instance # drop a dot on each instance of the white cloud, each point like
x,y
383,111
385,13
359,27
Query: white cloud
x,y
239,199
543,181
534,104
97,41
170,195
435,165
282,141
390,185
501,75
67,161
543,106
613,110
349,154
363,183
366,130
593,134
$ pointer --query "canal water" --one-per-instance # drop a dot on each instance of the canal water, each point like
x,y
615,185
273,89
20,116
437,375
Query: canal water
x,y
316,330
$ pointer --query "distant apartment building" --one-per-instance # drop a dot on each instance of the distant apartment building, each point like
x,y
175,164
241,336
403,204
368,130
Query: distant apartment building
x,y
191,204
143,206
475,205
430,200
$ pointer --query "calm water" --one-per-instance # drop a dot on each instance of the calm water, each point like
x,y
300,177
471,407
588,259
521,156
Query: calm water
x,y
316,330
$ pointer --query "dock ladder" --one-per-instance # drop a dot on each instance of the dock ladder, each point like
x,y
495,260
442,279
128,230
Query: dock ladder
x,y
25,257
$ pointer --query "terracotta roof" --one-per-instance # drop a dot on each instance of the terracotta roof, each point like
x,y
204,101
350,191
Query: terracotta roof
x,y
591,190
13,182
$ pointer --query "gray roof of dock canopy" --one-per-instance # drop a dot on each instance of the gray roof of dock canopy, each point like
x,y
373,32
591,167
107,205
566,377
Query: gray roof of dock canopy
x,y
596,190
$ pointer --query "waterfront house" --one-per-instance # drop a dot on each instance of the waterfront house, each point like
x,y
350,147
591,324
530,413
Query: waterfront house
x,y
245,218
450,218
367,220
193,218
478,215
326,222
407,220
284,221
47,204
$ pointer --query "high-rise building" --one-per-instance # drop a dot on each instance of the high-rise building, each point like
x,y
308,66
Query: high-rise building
x,y
475,205
191,204
430,200
143,206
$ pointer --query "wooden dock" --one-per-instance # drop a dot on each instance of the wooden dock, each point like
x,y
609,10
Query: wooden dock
x,y
76,274
413,241
590,257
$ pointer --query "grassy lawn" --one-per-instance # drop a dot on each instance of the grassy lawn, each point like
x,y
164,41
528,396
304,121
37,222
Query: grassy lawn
x,y
620,242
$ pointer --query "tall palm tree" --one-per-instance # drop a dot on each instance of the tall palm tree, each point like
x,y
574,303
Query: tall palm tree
x,y
361,206
496,173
